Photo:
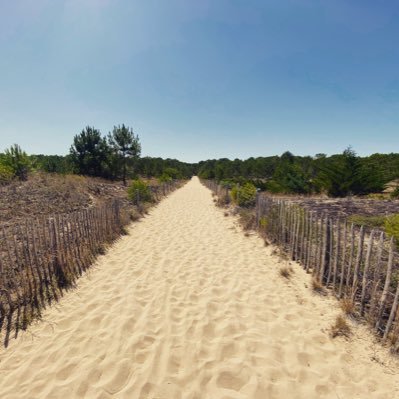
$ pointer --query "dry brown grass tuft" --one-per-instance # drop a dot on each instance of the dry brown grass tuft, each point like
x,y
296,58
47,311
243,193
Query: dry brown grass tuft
x,y
348,307
124,231
286,272
247,219
318,287
340,328
135,215
393,339
101,250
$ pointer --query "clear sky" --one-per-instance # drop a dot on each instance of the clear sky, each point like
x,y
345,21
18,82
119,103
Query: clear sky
x,y
199,79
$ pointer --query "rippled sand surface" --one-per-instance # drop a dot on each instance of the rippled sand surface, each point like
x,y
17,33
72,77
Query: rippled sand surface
x,y
186,306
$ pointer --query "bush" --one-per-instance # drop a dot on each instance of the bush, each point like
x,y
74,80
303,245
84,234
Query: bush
x,y
172,173
6,174
164,178
17,161
139,191
373,222
392,226
244,196
395,193
340,328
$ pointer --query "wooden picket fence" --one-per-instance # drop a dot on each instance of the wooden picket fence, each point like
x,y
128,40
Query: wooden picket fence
x,y
41,257
356,263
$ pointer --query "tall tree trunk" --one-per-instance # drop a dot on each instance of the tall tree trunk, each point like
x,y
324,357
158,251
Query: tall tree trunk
x,y
124,171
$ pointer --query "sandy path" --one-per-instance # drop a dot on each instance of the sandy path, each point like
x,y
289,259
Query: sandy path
x,y
186,306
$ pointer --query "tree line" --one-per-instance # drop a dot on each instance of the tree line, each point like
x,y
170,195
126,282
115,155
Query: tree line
x,y
117,156
337,175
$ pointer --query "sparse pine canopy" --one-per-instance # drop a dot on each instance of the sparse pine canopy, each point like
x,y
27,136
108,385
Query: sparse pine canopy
x,y
16,162
125,146
90,153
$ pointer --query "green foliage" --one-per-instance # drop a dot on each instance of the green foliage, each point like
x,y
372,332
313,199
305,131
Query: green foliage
x,y
90,153
164,178
139,191
156,167
395,193
369,221
337,175
347,174
244,195
16,161
52,163
173,173
263,222
6,174
125,146
391,225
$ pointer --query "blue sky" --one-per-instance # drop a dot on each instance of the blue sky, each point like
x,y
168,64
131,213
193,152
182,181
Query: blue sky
x,y
202,79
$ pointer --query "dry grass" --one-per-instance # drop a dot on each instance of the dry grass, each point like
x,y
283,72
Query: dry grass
x,y
318,287
134,215
348,307
393,339
247,219
286,272
124,231
102,249
46,194
340,328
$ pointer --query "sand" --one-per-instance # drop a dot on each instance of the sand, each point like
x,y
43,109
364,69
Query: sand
x,y
187,306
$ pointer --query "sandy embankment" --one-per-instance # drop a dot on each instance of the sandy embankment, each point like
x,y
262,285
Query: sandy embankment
x,y
186,306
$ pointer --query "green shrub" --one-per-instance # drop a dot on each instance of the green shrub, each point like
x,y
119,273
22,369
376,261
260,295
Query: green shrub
x,y
173,173
17,161
392,226
369,221
244,196
395,193
263,222
274,187
6,174
139,191
164,178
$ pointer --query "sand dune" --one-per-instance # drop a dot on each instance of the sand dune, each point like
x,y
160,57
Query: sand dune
x,y
186,306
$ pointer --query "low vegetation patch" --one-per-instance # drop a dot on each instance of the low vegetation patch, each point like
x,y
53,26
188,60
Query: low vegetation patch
x,y
340,328
395,193
134,215
369,221
139,191
318,288
348,307
390,223
286,272
245,195
247,219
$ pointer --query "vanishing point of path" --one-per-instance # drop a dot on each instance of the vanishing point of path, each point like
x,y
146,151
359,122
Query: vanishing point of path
x,y
187,306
